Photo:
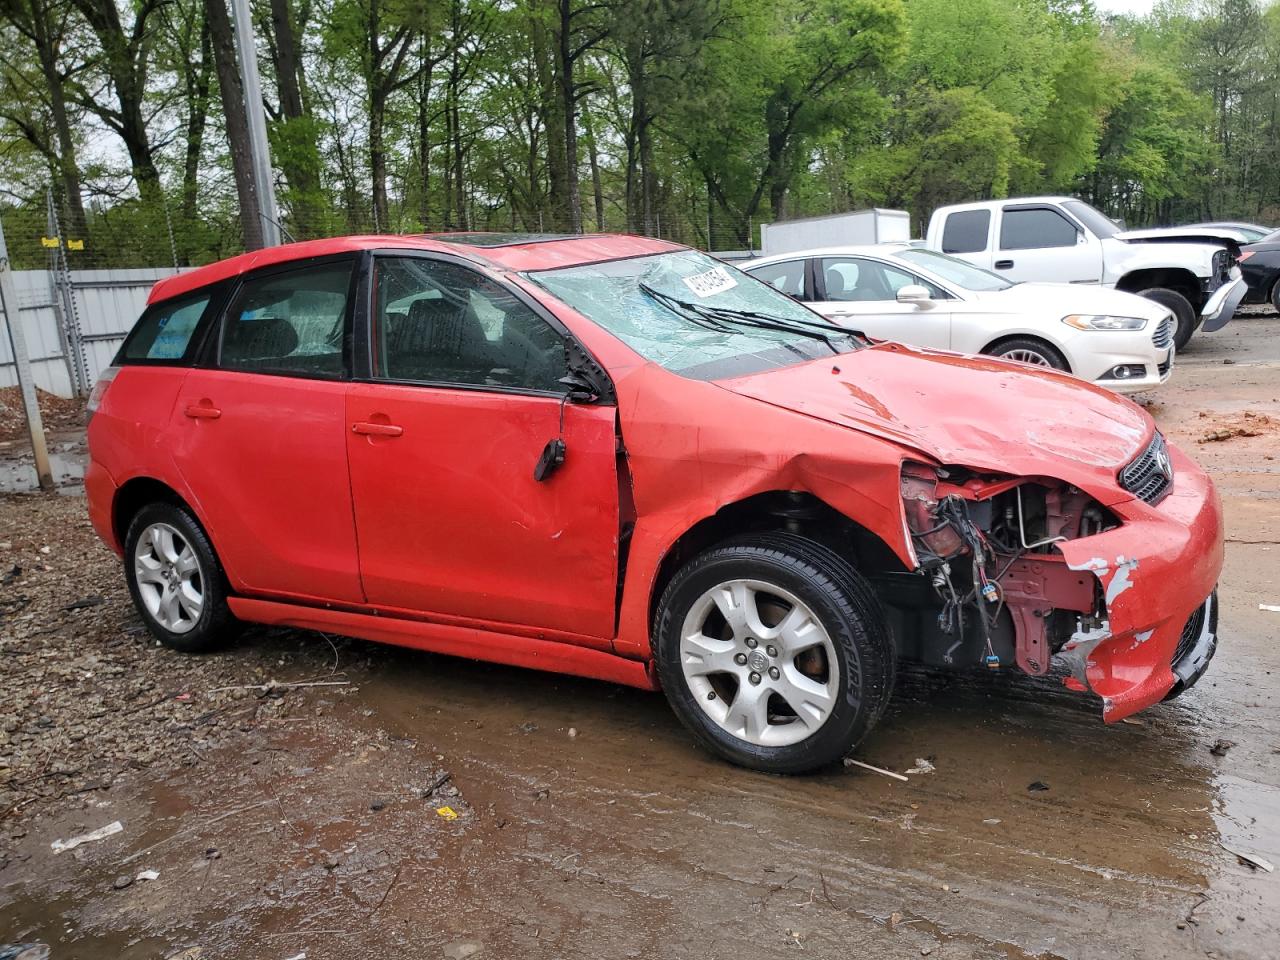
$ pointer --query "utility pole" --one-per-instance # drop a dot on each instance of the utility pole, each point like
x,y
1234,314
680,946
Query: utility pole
x,y
257,122
22,364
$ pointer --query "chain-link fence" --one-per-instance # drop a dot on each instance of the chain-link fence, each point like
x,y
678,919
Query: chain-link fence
x,y
82,275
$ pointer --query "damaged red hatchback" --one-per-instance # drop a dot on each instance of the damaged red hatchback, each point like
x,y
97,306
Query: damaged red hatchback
x,y
619,458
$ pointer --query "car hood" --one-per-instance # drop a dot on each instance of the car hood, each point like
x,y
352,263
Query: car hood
x,y
977,412
1062,299
1217,235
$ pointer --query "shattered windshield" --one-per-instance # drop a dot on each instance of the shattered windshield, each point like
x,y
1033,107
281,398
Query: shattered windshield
x,y
694,315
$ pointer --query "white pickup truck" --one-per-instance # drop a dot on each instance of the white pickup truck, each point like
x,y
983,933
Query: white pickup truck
x,y
1192,271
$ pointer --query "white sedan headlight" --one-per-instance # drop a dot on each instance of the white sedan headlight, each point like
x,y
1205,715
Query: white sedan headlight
x,y
1098,321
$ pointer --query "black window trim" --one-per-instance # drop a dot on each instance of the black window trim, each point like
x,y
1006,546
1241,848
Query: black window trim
x,y
364,372
216,294
1052,208
210,356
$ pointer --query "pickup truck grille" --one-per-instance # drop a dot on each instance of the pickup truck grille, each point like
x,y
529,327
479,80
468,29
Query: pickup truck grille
x,y
1150,476
1164,333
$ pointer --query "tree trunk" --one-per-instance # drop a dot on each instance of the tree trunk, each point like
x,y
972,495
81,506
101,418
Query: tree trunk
x,y
125,62
47,49
552,120
297,153
424,136
197,90
593,155
565,62
224,60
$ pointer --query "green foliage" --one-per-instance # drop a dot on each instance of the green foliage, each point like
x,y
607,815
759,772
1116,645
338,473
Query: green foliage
x,y
695,119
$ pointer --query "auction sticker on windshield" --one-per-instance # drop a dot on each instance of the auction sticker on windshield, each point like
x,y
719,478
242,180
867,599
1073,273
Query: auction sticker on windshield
x,y
715,280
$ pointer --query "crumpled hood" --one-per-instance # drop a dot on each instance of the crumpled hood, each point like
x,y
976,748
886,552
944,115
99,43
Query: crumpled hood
x,y
977,412
1039,299
1217,235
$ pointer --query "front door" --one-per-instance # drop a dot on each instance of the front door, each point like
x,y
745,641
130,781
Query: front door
x,y
260,437
861,294
443,441
1040,243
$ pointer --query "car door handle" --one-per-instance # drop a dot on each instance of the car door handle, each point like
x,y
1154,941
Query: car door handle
x,y
204,410
365,428
1004,264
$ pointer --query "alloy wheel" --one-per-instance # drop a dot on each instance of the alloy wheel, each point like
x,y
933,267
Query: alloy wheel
x,y
170,581
1028,356
759,662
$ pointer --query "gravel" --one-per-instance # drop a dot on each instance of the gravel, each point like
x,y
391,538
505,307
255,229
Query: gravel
x,y
88,694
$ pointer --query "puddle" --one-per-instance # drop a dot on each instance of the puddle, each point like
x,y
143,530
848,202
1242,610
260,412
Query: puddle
x,y
67,461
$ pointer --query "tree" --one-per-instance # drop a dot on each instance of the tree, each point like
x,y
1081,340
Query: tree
x,y
124,58
43,25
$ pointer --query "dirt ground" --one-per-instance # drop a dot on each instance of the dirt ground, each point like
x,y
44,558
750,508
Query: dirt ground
x,y
397,804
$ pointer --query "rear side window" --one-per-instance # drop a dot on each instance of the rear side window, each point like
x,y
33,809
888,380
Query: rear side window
x,y
1036,229
293,322
787,277
166,331
966,231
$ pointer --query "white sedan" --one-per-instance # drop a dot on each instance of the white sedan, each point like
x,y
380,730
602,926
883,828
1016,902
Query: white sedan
x,y
905,293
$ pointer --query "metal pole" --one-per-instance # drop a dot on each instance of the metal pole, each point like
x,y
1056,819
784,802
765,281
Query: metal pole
x,y
22,365
257,121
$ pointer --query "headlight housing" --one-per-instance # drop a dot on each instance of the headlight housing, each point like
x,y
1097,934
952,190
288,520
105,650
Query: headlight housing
x,y
1102,321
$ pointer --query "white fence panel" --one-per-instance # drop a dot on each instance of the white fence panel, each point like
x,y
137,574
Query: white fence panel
x,y
107,302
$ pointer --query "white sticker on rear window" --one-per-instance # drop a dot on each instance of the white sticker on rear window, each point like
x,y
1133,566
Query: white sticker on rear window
x,y
715,280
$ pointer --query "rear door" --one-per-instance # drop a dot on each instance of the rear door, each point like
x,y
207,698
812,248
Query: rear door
x,y
461,399
861,294
1039,242
260,434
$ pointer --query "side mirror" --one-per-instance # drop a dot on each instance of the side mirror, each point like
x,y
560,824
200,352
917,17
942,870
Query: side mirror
x,y
913,293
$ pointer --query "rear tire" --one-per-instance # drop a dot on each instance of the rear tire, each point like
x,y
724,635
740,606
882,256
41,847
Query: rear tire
x,y
797,672
175,579
1184,313
1031,351
1275,296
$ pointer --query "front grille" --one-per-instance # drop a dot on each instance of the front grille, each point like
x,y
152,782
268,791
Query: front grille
x,y
1164,333
1190,633
1150,476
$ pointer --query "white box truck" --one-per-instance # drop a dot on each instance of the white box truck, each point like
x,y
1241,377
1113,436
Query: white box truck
x,y
835,230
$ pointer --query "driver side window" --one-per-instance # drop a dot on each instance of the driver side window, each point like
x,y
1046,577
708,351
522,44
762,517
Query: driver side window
x,y
437,322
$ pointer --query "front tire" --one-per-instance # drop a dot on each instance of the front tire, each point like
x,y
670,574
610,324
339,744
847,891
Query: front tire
x,y
1183,313
175,579
774,653
1032,351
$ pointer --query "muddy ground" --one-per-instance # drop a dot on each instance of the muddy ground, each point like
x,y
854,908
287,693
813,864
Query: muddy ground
x,y
409,805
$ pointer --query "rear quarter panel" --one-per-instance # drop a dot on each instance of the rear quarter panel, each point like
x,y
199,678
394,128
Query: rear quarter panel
x,y
127,440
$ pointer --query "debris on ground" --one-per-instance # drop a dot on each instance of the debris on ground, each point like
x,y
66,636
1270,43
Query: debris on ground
x,y
1251,860
148,875
24,951
1231,426
1038,786
1220,747
1269,607
923,765
56,413
92,836
850,762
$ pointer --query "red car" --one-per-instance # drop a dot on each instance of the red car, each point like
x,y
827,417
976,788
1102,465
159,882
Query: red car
x,y
619,458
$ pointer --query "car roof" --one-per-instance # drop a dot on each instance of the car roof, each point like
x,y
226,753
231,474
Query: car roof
x,y
498,251
849,250
1005,202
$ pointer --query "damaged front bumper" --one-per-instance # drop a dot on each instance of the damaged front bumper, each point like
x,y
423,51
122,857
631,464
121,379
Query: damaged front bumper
x,y
1158,571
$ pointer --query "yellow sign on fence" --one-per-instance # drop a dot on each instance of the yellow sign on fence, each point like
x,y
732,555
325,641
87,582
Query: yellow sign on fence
x,y
51,242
